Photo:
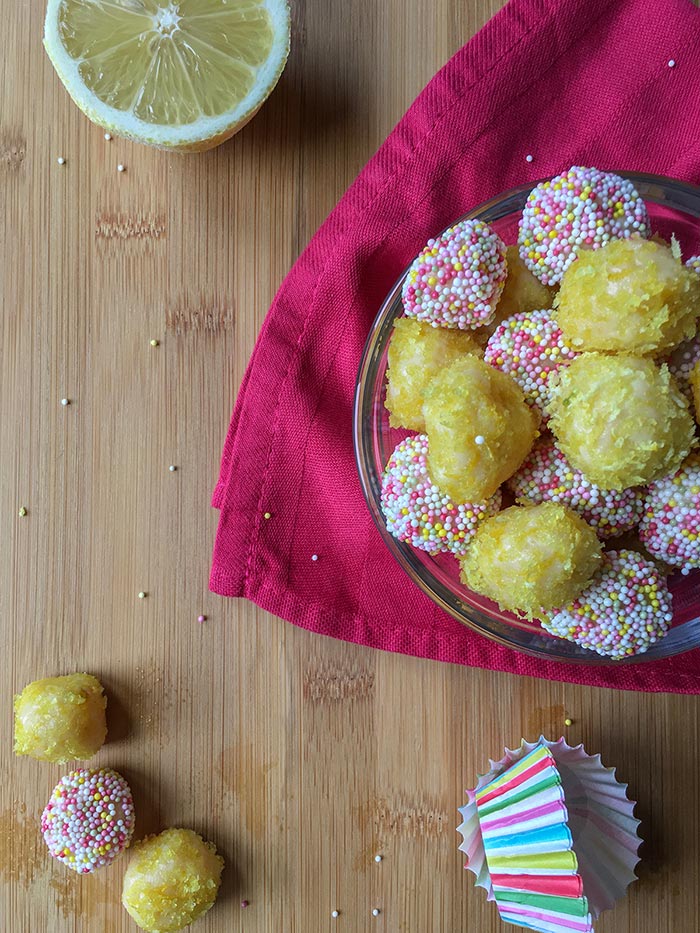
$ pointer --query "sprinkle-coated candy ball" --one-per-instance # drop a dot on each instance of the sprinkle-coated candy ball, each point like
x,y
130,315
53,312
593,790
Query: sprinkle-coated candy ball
x,y
682,362
89,819
418,512
530,347
61,718
547,476
171,881
670,526
581,208
693,263
457,280
626,608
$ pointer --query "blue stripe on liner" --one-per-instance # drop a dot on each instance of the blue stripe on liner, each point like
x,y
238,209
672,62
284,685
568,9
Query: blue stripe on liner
x,y
557,836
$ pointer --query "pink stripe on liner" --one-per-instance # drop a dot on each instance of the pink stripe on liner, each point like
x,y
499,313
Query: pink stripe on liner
x,y
487,825
557,885
543,764
582,926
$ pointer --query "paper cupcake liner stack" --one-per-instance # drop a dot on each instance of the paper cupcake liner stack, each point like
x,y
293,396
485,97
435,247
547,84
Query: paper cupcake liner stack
x,y
550,835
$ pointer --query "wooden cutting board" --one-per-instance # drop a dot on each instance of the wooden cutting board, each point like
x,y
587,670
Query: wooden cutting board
x,y
300,757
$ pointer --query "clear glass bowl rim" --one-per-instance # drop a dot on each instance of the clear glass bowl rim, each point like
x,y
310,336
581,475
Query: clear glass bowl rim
x,y
655,189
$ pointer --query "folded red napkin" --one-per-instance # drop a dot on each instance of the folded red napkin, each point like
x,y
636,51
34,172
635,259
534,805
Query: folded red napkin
x,y
610,83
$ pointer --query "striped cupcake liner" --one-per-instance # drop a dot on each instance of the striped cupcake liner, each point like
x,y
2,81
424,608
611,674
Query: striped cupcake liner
x,y
550,835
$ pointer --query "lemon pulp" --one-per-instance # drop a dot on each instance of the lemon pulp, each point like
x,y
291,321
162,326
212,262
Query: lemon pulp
x,y
198,67
167,62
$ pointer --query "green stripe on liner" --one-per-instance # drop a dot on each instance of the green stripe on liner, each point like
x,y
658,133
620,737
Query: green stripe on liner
x,y
572,906
508,864
507,800
537,754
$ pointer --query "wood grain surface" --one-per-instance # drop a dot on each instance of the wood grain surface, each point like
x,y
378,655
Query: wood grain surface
x,y
300,757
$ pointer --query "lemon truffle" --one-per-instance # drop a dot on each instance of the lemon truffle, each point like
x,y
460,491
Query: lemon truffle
x,y
620,419
531,559
631,296
479,429
61,718
417,353
171,881
695,386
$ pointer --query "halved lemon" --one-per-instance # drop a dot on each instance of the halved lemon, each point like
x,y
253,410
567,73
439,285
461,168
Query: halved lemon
x,y
178,74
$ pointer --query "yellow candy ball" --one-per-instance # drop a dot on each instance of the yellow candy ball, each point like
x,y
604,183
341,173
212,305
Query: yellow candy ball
x,y
531,559
61,718
620,419
479,429
417,353
171,881
630,296
695,386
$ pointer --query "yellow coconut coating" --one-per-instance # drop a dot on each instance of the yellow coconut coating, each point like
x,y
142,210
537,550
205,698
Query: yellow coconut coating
x,y
622,420
695,386
531,559
61,718
522,292
417,353
630,296
479,429
171,881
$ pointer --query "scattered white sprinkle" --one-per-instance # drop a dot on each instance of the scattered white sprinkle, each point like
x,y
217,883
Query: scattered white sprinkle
x,y
142,595
376,912
528,158
479,439
172,468
314,557
378,858
335,913
65,401
61,160
22,512
120,167
671,63
108,136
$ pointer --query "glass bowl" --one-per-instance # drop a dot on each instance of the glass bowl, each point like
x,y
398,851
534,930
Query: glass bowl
x,y
674,208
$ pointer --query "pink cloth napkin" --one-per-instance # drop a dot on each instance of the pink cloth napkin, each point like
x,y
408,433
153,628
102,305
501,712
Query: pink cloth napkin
x,y
567,81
